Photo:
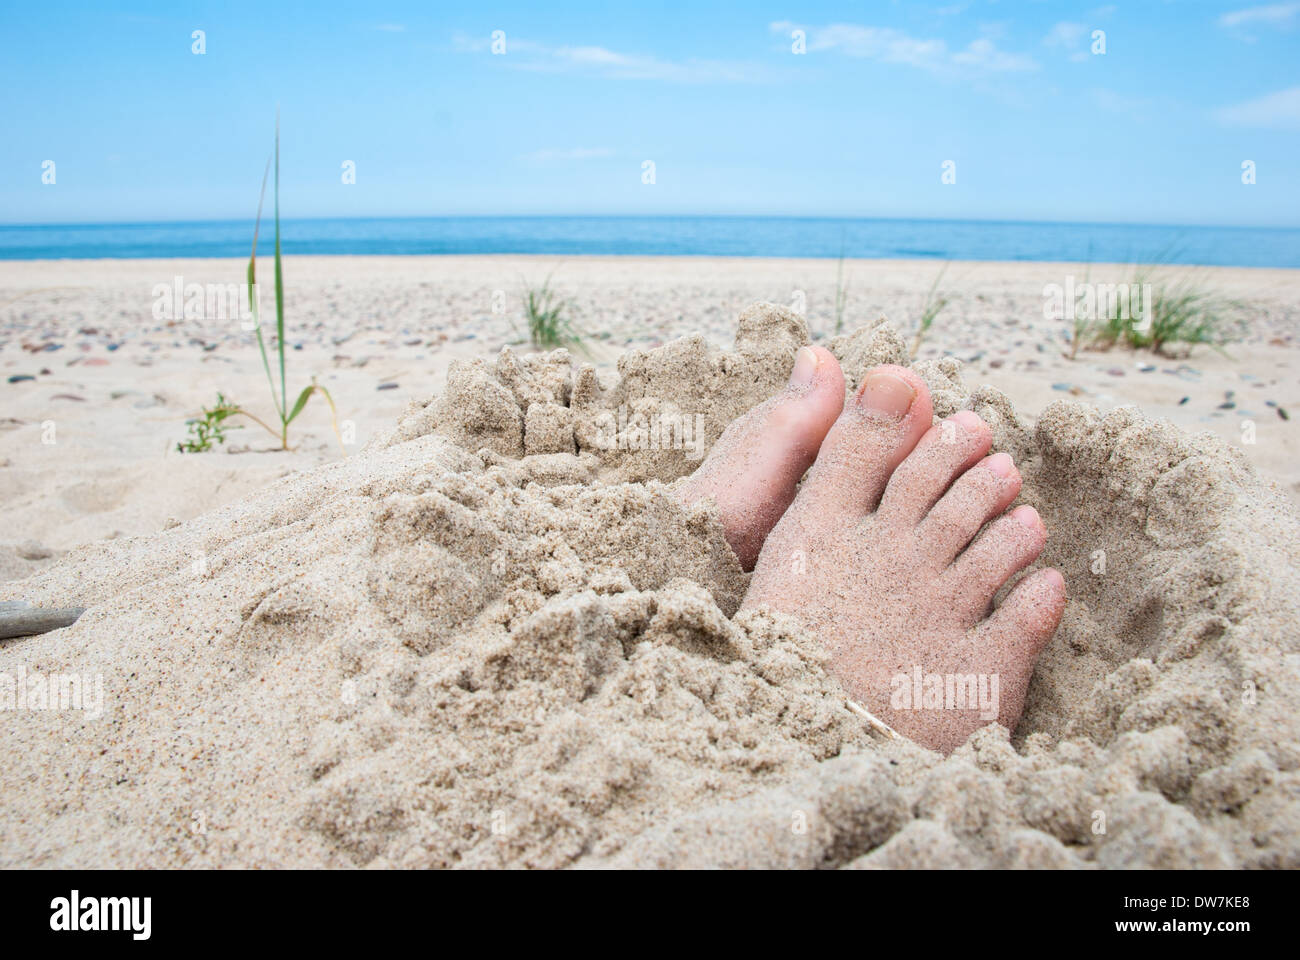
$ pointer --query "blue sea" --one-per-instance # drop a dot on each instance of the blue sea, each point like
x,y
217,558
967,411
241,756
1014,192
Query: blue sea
x,y
672,236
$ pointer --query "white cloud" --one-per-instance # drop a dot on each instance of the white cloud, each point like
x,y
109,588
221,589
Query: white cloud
x,y
888,45
1118,102
540,58
1274,14
1065,34
576,153
1276,111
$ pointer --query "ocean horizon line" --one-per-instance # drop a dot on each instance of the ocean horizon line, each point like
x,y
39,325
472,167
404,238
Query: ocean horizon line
x,y
670,235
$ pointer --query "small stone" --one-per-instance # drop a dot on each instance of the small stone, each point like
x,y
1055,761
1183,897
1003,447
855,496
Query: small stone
x,y
20,377
1281,412
1115,372
1063,387
386,386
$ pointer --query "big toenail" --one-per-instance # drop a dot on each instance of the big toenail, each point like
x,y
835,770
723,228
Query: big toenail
x,y
1028,516
888,394
805,365
968,419
1000,464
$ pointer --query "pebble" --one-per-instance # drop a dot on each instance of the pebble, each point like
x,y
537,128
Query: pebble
x,y
1183,401
1281,412
1115,372
94,362
20,377
1063,387
386,386
1146,367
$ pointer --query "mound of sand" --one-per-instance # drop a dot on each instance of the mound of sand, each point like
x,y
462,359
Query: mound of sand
x,y
494,638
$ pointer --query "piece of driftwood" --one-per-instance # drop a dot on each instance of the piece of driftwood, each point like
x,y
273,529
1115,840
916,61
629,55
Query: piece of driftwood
x,y
19,619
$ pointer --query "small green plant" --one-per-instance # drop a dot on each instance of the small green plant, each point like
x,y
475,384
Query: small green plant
x,y
841,293
1178,313
284,413
929,310
209,428
1083,325
548,326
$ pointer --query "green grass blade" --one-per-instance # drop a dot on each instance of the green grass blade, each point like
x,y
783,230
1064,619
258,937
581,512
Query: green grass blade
x,y
279,277
302,402
252,282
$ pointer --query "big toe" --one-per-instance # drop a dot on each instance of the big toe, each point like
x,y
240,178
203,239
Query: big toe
x,y
754,469
878,428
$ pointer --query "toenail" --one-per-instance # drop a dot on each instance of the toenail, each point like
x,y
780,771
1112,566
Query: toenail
x,y
1028,516
805,365
968,419
1000,464
888,394
1054,578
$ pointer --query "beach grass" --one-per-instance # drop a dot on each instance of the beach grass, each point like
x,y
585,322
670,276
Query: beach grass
x,y
549,326
284,413
930,308
1183,314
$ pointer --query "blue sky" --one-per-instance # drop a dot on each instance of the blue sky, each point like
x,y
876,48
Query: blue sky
x,y
1038,126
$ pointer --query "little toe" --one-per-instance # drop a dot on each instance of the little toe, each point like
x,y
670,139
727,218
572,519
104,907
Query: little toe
x,y
879,427
1019,629
1010,544
947,449
978,495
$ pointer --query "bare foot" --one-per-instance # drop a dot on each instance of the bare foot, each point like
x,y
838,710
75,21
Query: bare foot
x,y
752,470
879,556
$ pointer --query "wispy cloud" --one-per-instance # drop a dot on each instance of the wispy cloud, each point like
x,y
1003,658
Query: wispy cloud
x,y
1119,102
601,61
1274,111
575,153
1273,14
1069,37
888,45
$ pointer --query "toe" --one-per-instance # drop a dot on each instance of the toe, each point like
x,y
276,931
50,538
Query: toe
x,y
1010,544
1027,618
753,470
880,426
978,495
946,450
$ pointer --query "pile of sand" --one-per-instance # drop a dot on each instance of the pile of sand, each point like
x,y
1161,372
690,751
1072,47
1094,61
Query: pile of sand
x,y
494,638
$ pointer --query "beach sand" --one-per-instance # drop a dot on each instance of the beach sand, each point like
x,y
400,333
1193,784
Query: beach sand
x,y
490,637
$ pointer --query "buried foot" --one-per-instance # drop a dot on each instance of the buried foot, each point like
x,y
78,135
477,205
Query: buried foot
x,y
753,469
881,555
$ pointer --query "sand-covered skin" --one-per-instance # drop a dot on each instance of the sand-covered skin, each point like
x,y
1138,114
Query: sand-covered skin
x,y
446,651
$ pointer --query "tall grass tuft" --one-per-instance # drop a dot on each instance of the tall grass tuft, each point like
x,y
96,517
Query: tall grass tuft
x,y
285,414
1182,315
548,324
841,292
930,309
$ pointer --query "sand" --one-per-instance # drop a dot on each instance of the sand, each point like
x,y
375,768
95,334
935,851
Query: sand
x,y
492,637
